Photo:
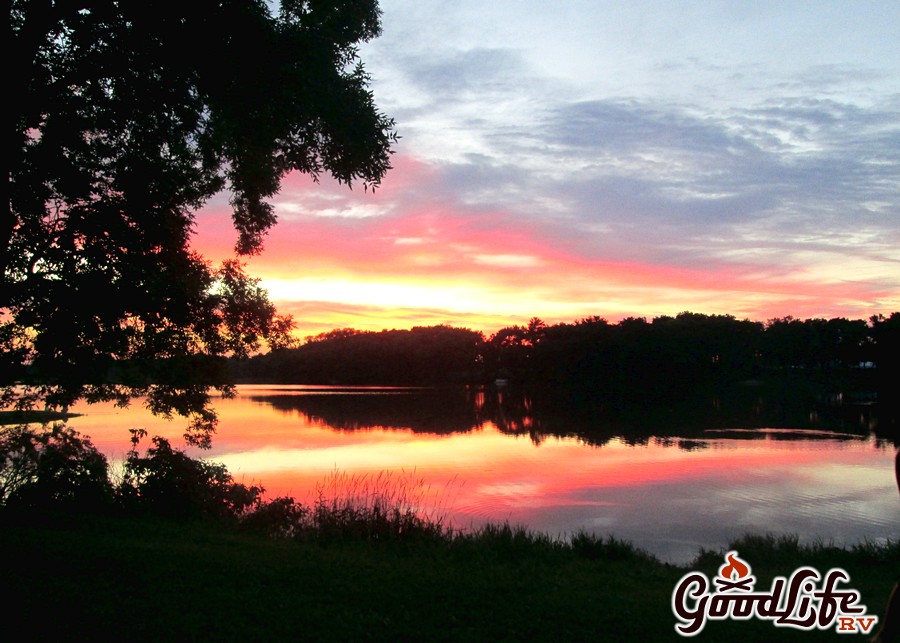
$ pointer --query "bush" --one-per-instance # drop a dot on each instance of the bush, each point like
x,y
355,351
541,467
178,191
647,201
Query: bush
x,y
169,483
54,468
281,517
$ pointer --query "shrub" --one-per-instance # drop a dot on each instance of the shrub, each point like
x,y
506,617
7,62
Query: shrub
x,y
52,468
168,482
281,517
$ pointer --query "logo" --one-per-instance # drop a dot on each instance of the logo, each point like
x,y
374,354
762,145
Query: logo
x,y
805,601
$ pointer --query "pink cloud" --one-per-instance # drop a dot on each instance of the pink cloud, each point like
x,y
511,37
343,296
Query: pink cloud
x,y
403,234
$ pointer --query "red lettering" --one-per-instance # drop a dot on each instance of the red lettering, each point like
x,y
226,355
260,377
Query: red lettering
x,y
846,624
866,622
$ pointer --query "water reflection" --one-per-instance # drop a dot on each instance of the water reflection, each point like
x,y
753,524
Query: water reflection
x,y
744,412
670,476
437,411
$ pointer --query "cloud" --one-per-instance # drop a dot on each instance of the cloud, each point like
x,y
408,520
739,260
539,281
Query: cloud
x,y
650,175
458,77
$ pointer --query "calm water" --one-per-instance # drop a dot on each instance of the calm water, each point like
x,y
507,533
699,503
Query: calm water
x,y
670,478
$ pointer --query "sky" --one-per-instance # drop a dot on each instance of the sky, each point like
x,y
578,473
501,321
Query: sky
x,y
576,158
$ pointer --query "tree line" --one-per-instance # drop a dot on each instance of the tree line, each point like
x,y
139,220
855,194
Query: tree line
x,y
688,347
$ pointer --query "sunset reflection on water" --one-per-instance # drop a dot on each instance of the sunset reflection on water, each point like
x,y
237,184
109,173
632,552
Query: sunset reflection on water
x,y
670,494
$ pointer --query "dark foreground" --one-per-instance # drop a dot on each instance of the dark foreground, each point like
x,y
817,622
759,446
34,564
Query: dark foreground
x,y
152,580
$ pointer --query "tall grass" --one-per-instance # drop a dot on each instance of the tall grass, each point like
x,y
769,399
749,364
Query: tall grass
x,y
400,507
384,506
784,552
393,507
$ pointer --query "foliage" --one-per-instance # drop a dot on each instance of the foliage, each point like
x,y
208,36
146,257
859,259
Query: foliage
x,y
886,342
57,467
422,355
168,482
281,517
128,117
666,354
816,343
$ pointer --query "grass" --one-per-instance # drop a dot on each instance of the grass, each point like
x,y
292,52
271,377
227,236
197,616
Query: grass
x,y
152,580
383,506
366,561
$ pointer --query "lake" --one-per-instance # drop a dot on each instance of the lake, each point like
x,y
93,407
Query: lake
x,y
671,477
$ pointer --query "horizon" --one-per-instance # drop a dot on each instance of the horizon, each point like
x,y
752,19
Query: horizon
x,y
610,160
489,334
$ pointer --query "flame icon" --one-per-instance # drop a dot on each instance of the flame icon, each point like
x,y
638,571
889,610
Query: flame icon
x,y
735,569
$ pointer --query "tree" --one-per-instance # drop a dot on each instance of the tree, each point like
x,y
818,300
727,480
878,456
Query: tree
x,y
168,482
128,116
56,467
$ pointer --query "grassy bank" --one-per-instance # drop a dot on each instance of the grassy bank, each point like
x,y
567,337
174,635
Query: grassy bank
x,y
175,550
151,579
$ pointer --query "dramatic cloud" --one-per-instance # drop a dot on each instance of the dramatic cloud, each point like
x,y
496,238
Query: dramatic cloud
x,y
611,159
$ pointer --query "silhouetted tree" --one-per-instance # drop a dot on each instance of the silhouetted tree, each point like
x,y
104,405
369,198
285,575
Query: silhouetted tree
x,y
421,355
168,482
58,467
597,357
815,344
886,352
127,116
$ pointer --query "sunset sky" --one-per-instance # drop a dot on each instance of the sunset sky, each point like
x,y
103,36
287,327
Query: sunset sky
x,y
581,158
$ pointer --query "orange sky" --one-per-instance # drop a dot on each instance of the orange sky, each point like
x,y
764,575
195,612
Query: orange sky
x,y
341,258
611,159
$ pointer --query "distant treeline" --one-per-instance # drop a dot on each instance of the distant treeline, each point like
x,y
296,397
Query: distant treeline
x,y
689,347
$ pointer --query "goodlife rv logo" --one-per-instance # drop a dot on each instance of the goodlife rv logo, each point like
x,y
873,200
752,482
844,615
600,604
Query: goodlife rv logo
x,y
800,602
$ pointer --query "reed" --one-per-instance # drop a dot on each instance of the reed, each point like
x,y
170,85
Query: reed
x,y
384,506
